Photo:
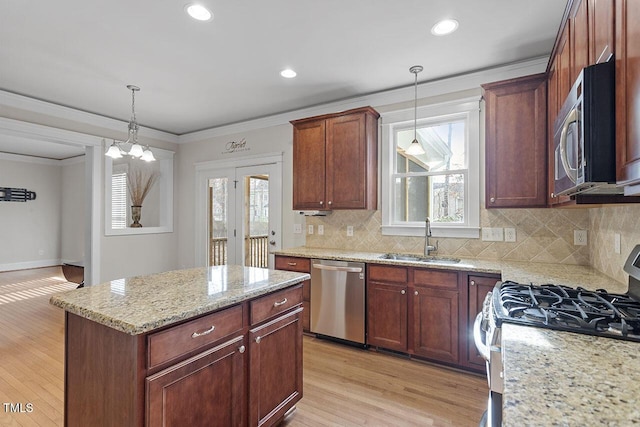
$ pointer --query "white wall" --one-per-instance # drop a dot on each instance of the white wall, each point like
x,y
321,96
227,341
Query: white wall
x,y
268,140
73,210
30,232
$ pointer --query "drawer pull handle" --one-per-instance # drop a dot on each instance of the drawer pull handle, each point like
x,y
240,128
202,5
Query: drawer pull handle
x,y
207,332
242,349
292,264
279,303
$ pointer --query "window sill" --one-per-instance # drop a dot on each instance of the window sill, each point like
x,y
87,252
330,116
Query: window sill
x,y
463,232
141,230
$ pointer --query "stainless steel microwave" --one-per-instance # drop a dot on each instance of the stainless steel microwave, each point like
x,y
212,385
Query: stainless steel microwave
x,y
584,135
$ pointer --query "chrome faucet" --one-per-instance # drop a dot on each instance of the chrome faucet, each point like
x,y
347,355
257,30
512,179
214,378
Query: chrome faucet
x,y
427,233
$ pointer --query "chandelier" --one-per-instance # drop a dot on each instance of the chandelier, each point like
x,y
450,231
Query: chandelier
x,y
136,150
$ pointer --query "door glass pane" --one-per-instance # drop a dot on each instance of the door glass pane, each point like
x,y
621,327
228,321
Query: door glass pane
x,y
218,220
256,247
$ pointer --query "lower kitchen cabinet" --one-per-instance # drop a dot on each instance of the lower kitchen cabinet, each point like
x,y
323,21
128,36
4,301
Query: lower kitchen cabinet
x,y
414,311
478,288
275,369
387,315
301,265
206,390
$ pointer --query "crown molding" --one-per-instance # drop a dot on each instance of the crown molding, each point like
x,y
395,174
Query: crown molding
x,y
13,100
36,132
29,159
427,89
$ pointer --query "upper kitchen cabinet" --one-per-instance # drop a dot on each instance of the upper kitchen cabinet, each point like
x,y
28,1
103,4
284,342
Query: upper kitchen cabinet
x,y
579,38
601,30
516,142
335,161
627,55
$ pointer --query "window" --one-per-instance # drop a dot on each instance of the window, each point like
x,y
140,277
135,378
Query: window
x,y
119,198
443,183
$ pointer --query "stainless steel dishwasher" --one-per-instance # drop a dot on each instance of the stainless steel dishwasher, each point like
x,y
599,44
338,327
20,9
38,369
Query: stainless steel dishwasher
x,y
338,299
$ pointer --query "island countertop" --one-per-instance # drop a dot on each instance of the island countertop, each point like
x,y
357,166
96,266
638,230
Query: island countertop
x,y
141,304
568,379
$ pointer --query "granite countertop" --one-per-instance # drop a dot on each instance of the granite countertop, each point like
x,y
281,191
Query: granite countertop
x,y
141,304
517,271
567,379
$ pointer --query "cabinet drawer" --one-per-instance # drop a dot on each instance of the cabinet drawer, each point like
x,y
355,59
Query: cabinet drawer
x,y
385,273
273,304
293,264
435,278
179,340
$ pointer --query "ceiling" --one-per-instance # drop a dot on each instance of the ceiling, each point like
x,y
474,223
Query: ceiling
x,y
199,75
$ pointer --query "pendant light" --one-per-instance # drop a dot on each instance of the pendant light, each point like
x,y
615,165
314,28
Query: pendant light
x,y
415,149
115,150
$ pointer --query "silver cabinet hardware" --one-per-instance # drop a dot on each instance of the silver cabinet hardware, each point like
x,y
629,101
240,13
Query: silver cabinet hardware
x,y
279,303
207,332
403,292
493,200
241,349
473,283
258,339
415,292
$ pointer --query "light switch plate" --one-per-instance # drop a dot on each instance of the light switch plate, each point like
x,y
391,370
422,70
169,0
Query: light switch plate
x,y
349,230
320,229
310,229
297,228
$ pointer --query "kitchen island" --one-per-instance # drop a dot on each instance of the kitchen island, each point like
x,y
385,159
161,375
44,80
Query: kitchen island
x,y
205,346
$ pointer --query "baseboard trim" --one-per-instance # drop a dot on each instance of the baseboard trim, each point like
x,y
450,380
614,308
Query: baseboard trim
x,y
25,265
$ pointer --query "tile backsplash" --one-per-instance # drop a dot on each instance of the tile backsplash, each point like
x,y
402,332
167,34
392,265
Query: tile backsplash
x,y
542,235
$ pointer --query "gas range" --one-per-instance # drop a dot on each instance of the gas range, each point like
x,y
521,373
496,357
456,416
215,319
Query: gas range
x,y
573,309
569,309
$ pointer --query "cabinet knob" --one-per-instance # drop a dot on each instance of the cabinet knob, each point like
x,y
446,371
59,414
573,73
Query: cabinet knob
x,y
473,283
553,195
415,292
242,349
493,200
321,203
258,339
403,292
329,203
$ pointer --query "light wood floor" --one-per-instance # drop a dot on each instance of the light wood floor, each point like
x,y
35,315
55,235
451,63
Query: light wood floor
x,y
342,386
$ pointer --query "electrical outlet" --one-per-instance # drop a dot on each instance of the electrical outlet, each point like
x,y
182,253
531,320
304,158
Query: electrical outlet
x,y
509,234
320,229
297,228
310,229
580,237
616,243
349,230
492,234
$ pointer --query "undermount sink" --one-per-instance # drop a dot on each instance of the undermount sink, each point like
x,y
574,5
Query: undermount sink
x,y
420,258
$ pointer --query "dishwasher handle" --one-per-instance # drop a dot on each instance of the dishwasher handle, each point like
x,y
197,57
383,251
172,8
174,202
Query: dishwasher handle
x,y
338,268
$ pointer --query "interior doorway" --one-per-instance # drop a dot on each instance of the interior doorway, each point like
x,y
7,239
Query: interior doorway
x,y
242,220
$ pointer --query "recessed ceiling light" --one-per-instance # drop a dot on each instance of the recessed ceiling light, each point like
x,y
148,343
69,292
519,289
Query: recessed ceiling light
x,y
288,73
199,12
444,27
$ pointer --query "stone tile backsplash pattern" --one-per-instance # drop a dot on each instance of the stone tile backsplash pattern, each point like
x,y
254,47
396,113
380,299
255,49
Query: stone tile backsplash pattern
x,y
543,235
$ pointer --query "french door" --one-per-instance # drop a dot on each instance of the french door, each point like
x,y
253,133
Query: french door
x,y
243,218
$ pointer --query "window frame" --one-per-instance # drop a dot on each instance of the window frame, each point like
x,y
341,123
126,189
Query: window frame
x,y
467,109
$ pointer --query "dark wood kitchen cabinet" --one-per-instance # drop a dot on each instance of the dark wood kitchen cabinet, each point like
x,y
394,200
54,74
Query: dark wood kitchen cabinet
x,y
275,368
516,142
387,307
414,311
335,161
478,287
627,57
215,383
302,265
601,30
435,315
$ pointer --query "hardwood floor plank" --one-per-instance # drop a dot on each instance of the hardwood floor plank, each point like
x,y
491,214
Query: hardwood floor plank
x,y
343,386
